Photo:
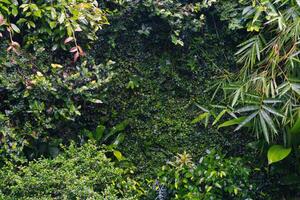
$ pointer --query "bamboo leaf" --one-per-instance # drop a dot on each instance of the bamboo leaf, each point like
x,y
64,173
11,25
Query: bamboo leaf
x,y
272,101
235,98
247,109
219,117
268,120
273,111
232,122
200,118
247,120
264,127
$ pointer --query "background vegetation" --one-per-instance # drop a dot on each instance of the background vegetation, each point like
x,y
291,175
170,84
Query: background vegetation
x,y
165,99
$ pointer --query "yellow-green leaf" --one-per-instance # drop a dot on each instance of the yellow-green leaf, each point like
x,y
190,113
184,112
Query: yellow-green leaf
x,y
277,153
118,155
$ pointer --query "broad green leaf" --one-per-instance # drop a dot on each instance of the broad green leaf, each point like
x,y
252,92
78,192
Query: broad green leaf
x,y
118,128
99,132
14,11
119,139
257,14
277,153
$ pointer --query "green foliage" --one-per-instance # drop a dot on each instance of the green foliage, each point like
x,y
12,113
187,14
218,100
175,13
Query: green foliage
x,y
214,177
277,153
45,24
112,137
142,100
43,103
181,17
266,91
78,173
264,94
177,19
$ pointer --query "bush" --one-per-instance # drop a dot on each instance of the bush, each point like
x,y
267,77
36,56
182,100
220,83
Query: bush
x,y
43,103
79,173
47,23
214,177
166,20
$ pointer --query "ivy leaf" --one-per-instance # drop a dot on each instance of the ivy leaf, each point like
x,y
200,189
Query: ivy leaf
x,y
277,153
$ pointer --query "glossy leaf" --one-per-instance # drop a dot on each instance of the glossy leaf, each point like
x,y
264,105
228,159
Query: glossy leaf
x,y
277,153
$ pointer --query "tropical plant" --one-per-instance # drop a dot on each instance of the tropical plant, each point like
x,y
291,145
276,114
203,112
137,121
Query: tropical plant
x,y
214,177
46,25
43,101
265,94
178,19
112,138
78,173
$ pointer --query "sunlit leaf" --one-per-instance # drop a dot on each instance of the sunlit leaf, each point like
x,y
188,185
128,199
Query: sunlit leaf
x,y
118,155
277,153
200,118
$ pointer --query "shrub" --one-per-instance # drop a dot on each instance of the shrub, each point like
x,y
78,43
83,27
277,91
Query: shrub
x,y
50,24
264,94
44,102
214,177
78,173
174,20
